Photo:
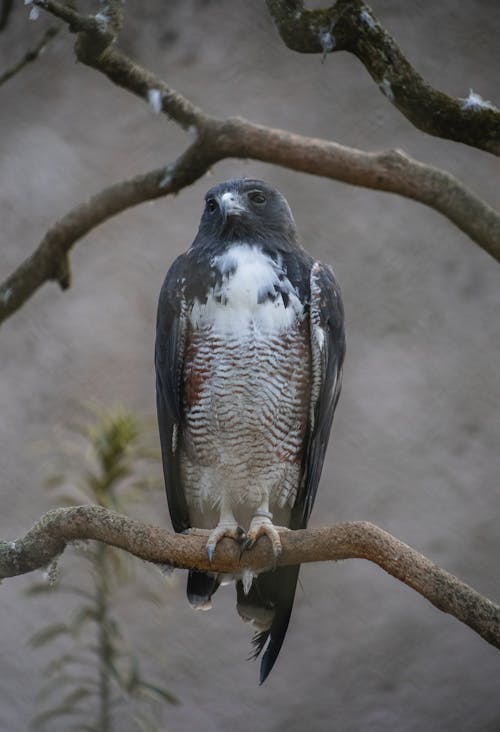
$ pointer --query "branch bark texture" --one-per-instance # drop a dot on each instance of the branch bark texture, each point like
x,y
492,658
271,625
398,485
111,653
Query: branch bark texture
x,y
391,171
350,25
353,540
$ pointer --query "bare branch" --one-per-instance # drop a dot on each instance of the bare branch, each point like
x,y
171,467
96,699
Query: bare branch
x,y
93,48
358,539
92,24
131,76
30,55
50,260
390,171
350,25
5,11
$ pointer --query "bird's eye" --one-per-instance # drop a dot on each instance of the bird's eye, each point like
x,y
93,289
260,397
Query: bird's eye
x,y
257,197
211,205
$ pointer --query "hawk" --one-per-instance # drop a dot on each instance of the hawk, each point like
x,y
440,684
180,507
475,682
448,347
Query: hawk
x,y
249,351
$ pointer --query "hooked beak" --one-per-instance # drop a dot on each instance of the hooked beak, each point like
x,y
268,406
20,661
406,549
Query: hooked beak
x,y
231,205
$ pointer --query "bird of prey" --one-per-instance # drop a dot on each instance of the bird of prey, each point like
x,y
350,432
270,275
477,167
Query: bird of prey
x,y
249,351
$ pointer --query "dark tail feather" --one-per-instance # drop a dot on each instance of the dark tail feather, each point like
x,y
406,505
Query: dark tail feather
x,y
269,605
200,588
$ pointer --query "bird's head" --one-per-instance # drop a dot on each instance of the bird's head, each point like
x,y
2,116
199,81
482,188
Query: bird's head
x,y
246,209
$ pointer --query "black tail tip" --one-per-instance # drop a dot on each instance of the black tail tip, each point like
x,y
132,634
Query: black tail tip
x,y
264,673
270,654
268,661
258,642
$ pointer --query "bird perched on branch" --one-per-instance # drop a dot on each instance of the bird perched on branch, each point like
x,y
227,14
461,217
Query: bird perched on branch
x,y
249,352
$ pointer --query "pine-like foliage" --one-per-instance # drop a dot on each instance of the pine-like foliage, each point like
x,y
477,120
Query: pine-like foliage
x,y
87,683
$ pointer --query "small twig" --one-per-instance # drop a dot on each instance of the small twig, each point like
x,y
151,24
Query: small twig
x,y
31,55
357,539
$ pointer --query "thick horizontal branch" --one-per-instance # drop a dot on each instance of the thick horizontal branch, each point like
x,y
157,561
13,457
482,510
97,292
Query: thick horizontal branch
x,y
350,25
355,540
391,171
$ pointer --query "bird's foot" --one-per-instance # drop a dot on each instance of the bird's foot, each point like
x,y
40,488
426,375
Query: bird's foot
x,y
262,525
224,529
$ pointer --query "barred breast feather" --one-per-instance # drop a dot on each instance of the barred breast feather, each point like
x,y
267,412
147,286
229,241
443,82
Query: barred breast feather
x,y
246,389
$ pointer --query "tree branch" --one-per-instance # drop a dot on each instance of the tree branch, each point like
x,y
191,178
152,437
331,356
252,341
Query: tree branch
x,y
5,11
50,260
93,47
30,55
104,25
390,171
350,25
358,539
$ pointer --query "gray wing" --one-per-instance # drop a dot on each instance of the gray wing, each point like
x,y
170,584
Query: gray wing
x,y
327,356
276,590
169,358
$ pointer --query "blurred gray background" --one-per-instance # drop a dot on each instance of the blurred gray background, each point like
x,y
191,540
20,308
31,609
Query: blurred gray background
x,y
416,438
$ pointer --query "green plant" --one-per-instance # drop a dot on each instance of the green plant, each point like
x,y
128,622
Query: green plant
x,y
98,671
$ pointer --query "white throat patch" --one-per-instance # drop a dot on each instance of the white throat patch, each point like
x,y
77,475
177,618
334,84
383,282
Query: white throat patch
x,y
249,294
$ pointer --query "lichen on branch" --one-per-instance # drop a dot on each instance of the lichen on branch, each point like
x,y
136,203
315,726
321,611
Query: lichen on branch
x,y
351,25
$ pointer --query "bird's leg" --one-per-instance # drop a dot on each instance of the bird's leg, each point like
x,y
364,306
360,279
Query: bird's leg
x,y
262,525
227,526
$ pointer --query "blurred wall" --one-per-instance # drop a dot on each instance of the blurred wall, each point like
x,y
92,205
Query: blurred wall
x,y
416,436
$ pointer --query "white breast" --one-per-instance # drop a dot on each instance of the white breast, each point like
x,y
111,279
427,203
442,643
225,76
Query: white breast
x,y
231,306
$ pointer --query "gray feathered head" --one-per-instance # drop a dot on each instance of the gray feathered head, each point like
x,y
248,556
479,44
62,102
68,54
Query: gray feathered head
x,y
245,208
